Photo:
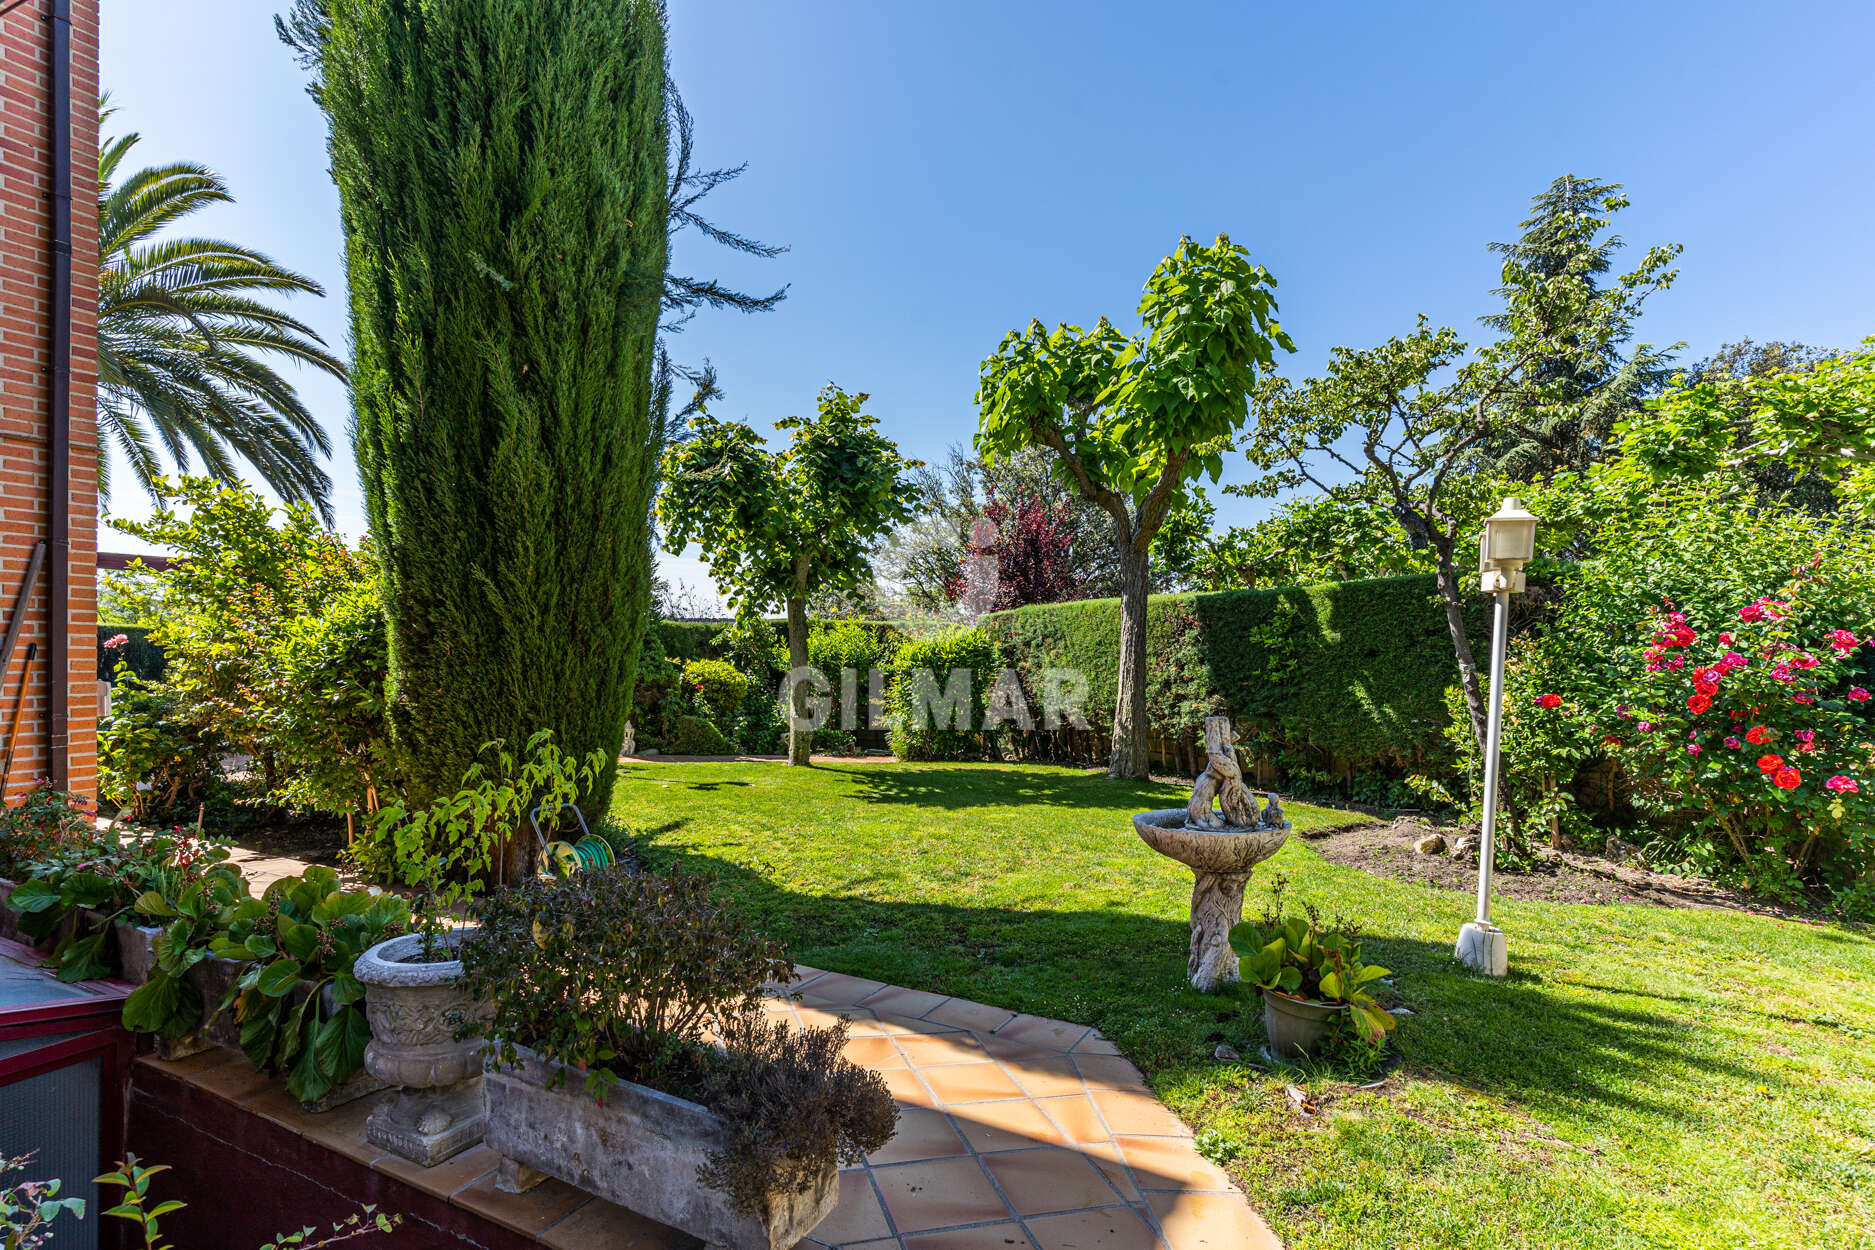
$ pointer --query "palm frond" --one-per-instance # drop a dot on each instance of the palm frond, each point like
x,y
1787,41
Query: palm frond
x,y
184,337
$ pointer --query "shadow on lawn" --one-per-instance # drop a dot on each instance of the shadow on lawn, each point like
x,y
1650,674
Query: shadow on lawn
x,y
955,788
1123,972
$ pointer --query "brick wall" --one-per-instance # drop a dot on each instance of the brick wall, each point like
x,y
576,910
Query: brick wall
x,y
25,380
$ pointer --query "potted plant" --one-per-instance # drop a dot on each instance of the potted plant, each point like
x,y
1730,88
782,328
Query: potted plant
x,y
1312,983
424,1021
637,1065
297,1000
424,1032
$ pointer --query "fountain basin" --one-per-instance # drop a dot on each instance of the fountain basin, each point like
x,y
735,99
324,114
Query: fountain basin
x,y
1228,851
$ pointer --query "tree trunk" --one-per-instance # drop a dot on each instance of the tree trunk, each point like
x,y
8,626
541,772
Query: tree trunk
x,y
1453,598
800,741
1129,759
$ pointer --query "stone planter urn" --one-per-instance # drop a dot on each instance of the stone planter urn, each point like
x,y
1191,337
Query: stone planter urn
x,y
1220,847
416,1009
640,1148
1297,1026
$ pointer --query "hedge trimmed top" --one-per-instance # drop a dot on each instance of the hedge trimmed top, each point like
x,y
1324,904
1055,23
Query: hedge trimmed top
x,y
1358,669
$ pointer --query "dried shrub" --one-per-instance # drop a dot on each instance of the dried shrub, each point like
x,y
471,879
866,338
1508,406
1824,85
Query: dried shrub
x,y
796,1106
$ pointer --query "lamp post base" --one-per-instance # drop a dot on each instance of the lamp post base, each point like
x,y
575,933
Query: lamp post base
x,y
1483,948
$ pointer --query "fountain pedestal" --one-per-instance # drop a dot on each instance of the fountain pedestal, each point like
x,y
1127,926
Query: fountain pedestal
x,y
1220,848
1220,861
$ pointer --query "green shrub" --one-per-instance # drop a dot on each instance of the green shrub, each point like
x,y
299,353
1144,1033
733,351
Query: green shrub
x,y
330,732
274,648
1355,669
154,755
719,687
1710,552
657,677
921,677
690,640
633,977
693,735
301,936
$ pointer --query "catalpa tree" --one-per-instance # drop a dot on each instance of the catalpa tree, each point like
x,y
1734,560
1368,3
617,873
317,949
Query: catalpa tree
x,y
779,527
1132,421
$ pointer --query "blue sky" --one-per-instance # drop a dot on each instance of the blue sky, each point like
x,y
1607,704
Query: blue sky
x,y
944,172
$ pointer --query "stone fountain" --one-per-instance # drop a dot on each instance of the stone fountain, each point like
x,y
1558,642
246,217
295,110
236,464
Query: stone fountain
x,y
1220,847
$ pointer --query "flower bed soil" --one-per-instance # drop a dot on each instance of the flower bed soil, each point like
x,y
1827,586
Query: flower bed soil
x,y
1387,851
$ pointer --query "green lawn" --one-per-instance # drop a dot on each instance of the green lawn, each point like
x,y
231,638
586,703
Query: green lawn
x,y
1644,1078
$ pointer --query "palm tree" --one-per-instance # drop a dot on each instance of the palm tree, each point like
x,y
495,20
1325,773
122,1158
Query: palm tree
x,y
179,324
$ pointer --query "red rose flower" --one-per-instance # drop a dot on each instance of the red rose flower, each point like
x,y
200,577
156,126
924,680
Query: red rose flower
x,y
1770,763
1756,735
1699,703
1549,700
1787,778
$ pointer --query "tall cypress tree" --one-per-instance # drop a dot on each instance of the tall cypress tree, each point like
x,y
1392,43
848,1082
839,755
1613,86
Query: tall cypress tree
x,y
502,174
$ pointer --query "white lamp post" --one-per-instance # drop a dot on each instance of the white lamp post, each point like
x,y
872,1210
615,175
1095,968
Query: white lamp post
x,y
1509,541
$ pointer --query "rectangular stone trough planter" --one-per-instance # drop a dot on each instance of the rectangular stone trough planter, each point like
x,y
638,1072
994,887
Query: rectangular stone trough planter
x,y
640,1148
213,978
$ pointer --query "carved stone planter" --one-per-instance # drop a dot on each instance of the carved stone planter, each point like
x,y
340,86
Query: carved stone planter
x,y
136,951
640,1148
416,1009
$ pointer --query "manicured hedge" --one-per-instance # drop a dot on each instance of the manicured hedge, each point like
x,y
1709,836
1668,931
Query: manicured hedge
x,y
690,640
1357,669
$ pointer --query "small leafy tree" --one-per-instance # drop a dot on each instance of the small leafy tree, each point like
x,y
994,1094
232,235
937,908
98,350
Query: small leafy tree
x,y
1132,421
1408,419
274,640
779,527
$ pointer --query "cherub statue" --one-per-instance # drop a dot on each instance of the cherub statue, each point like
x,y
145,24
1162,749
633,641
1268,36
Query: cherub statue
x,y
1222,779
1273,811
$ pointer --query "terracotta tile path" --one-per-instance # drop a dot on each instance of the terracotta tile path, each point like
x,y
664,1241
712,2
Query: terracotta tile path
x,y
1015,1133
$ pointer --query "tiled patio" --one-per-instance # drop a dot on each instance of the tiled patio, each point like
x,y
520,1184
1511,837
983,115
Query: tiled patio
x,y
1014,1132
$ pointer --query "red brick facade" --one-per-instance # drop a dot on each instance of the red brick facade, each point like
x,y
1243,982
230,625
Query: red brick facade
x,y
26,383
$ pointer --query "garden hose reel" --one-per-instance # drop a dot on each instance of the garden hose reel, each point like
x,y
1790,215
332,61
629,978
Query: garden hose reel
x,y
562,858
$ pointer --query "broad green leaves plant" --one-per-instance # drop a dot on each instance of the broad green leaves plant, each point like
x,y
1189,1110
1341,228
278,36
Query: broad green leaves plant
x,y
1132,422
110,880
462,836
1298,959
781,527
303,935
167,1004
